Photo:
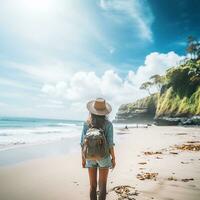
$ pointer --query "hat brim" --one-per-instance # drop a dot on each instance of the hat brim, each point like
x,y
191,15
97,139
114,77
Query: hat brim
x,y
93,110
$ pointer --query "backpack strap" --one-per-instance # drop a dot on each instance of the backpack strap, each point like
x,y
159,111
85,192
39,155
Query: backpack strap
x,y
103,129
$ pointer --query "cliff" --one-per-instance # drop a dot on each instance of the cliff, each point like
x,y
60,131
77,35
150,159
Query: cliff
x,y
142,110
178,101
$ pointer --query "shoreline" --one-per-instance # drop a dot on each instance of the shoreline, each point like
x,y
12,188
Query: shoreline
x,y
61,176
27,152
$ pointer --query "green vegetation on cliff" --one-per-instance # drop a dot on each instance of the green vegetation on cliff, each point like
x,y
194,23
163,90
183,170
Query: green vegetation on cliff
x,y
180,93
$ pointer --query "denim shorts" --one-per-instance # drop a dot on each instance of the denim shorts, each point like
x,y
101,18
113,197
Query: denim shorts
x,y
103,163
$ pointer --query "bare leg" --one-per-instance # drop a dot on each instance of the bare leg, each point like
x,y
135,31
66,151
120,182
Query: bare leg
x,y
103,175
93,183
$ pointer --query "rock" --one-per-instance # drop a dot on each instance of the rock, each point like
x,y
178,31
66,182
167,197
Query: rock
x,y
167,121
171,121
195,120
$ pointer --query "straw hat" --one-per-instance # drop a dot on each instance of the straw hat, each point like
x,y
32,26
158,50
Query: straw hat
x,y
99,107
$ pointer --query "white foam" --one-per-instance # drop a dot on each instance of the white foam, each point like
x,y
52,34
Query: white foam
x,y
19,136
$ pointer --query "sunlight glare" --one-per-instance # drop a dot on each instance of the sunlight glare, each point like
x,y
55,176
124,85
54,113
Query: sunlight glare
x,y
36,5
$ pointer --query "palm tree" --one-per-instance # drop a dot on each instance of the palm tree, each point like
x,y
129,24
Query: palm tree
x,y
146,86
158,81
193,47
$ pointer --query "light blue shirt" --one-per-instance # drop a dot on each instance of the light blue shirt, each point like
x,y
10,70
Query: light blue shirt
x,y
108,133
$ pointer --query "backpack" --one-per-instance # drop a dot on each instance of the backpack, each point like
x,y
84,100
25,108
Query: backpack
x,y
95,145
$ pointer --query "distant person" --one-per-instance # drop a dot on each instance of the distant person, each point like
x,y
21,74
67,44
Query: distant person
x,y
98,153
126,127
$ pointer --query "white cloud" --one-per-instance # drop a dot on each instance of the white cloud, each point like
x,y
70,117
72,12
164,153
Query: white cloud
x,y
83,86
155,63
15,84
138,11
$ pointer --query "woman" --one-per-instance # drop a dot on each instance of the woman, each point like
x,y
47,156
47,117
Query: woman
x,y
99,109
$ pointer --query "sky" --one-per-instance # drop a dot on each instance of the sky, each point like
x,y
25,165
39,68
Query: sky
x,y
56,55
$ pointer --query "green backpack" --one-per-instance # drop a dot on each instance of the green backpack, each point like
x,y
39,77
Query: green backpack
x,y
95,146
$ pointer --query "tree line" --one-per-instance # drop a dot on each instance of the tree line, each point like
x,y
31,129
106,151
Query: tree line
x,y
192,55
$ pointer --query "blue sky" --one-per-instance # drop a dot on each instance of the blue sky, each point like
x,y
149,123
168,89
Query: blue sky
x,y
55,55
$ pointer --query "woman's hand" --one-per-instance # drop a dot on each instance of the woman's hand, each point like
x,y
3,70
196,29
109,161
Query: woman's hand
x,y
113,163
112,153
83,162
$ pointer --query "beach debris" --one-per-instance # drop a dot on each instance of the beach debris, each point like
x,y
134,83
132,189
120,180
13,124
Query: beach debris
x,y
152,152
158,157
122,133
125,192
172,152
142,163
184,162
187,179
163,149
193,142
147,175
181,134
171,178
18,143
188,147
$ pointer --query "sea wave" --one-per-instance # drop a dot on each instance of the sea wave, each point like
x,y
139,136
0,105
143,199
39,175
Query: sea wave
x,y
33,135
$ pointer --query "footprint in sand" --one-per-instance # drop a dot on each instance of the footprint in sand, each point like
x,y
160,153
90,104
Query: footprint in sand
x,y
75,182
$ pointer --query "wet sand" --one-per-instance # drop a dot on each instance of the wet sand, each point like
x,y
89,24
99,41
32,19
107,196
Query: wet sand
x,y
140,152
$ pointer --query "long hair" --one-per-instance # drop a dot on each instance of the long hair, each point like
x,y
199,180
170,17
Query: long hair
x,y
97,121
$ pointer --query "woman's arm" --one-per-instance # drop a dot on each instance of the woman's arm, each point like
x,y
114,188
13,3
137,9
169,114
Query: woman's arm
x,y
111,144
112,153
81,143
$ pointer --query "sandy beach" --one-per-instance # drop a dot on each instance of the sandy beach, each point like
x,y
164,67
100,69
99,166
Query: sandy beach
x,y
148,164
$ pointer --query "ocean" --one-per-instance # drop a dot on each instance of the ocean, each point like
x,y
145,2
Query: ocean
x,y
15,131
23,139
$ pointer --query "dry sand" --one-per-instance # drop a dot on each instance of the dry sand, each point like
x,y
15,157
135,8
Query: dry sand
x,y
62,178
